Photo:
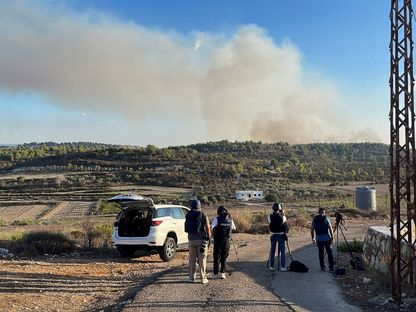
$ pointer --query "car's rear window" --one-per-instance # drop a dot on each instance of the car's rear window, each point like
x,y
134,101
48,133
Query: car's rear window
x,y
163,212
178,213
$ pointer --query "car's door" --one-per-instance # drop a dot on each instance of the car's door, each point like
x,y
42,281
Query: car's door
x,y
179,217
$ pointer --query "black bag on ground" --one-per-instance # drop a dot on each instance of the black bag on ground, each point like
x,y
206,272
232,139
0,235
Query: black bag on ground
x,y
297,266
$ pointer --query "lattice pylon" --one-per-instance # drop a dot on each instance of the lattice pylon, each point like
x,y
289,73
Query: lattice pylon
x,y
402,150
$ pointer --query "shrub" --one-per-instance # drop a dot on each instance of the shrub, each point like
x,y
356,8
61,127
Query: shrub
x,y
40,242
271,198
94,236
355,246
22,222
107,208
3,223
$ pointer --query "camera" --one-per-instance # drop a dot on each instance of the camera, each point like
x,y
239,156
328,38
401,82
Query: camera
x,y
204,245
338,218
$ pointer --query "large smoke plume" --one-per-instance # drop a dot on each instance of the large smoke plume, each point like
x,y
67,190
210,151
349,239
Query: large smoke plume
x,y
240,86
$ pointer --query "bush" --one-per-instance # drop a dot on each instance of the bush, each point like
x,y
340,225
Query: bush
x,y
22,222
271,198
40,242
355,246
94,236
107,208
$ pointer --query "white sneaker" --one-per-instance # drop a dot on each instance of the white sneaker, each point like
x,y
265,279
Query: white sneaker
x,y
271,268
223,276
204,281
283,269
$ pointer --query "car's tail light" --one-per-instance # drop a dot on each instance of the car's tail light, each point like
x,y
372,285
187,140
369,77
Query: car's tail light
x,y
115,224
156,222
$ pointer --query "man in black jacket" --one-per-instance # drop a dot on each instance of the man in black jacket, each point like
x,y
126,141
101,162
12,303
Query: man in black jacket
x,y
321,225
222,226
199,232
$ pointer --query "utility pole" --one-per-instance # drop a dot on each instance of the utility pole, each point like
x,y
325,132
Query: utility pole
x,y
402,151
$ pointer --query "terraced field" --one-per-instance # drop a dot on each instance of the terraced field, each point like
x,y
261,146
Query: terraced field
x,y
63,210
22,212
67,210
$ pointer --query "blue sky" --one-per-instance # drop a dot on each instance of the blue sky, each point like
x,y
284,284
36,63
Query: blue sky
x,y
181,72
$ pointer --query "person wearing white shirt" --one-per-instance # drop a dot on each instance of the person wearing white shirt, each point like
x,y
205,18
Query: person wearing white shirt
x,y
222,225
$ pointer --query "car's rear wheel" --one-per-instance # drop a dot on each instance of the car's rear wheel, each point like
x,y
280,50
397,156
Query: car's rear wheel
x,y
126,251
168,250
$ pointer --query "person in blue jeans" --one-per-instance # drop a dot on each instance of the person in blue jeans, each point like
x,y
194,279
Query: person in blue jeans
x,y
278,235
321,225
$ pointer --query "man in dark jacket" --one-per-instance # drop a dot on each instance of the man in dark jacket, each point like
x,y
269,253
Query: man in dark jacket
x,y
321,225
222,226
199,233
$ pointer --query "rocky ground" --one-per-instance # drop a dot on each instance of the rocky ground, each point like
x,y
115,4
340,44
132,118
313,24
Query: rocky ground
x,y
86,282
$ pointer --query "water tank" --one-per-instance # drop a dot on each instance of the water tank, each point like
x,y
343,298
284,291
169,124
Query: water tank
x,y
365,198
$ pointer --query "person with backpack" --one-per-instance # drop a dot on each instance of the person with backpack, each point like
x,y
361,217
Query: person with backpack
x,y
199,233
321,225
222,226
278,235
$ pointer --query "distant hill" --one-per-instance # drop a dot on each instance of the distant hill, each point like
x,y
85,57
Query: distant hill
x,y
214,167
7,145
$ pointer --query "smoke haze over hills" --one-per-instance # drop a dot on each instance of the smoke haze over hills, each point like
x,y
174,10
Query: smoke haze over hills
x,y
237,86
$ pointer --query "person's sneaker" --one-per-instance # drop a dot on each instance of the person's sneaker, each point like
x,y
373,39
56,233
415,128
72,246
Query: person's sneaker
x,y
204,281
331,270
223,276
283,269
190,280
271,268
214,276
323,269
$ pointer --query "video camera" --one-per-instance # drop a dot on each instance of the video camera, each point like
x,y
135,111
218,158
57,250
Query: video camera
x,y
338,218
204,244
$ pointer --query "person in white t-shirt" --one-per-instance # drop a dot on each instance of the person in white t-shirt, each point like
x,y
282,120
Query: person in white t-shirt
x,y
221,226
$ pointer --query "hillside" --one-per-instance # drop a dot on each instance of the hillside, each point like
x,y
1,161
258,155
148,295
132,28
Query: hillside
x,y
214,168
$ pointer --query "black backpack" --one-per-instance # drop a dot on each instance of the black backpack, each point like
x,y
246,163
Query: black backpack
x,y
297,266
194,223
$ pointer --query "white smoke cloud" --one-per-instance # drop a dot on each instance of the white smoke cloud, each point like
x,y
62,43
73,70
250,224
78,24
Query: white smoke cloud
x,y
240,87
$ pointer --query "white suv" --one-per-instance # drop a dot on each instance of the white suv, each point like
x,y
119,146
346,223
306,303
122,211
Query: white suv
x,y
143,225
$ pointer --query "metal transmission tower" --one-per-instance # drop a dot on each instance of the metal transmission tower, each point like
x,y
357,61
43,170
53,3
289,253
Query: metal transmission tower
x,y
402,150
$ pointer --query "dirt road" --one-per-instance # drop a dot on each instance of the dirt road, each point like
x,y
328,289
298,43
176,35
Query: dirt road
x,y
247,287
74,283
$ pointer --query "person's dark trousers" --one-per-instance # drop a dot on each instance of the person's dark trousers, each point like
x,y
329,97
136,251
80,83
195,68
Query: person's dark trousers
x,y
327,246
221,251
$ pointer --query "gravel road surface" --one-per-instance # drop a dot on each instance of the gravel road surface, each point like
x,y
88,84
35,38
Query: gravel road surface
x,y
250,286
247,287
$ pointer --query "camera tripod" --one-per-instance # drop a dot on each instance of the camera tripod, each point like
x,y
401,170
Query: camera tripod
x,y
355,262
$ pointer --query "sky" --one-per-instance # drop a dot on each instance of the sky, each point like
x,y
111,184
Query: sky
x,y
182,72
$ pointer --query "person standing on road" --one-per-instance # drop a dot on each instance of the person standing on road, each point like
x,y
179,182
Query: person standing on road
x,y
278,235
199,233
222,226
321,225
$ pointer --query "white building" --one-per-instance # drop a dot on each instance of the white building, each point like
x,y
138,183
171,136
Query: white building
x,y
248,195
